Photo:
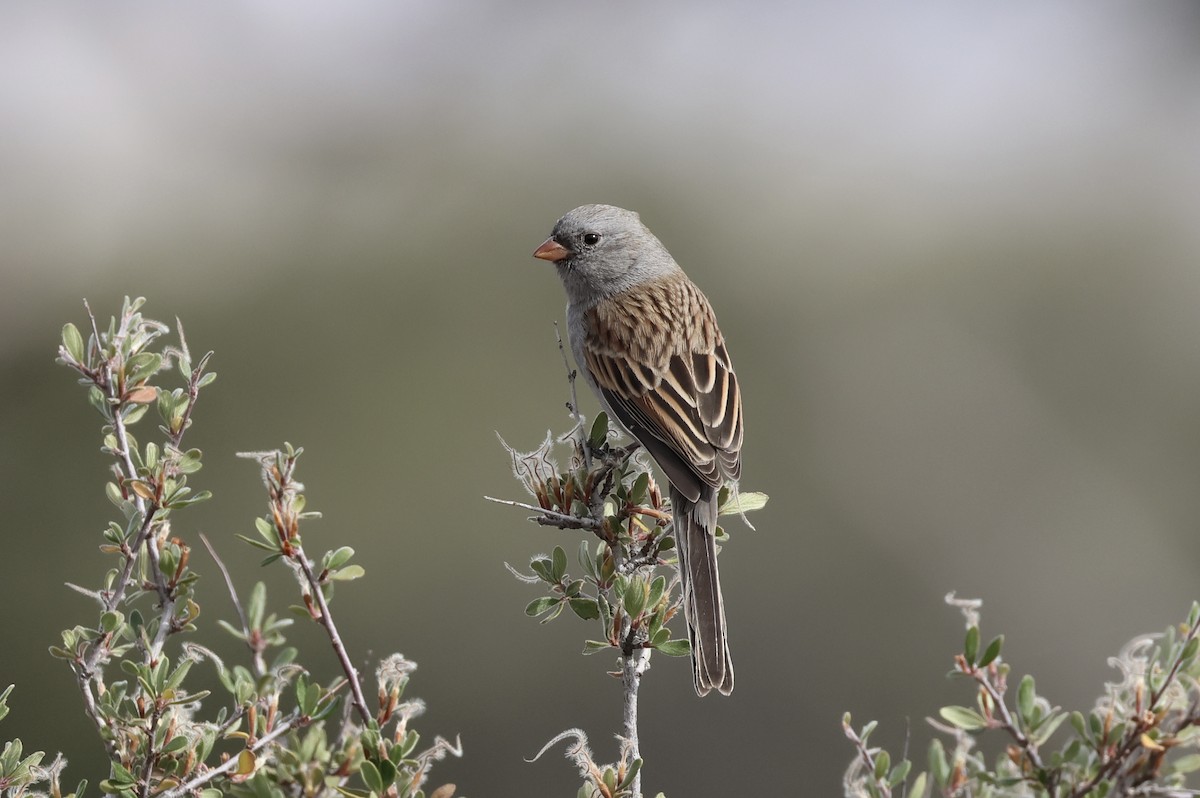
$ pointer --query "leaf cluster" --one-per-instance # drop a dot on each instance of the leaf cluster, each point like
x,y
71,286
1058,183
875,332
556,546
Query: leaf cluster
x,y
1142,736
273,731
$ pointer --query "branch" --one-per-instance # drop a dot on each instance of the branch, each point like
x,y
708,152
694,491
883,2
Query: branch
x,y
1008,724
232,762
551,517
633,665
285,503
865,755
326,620
260,667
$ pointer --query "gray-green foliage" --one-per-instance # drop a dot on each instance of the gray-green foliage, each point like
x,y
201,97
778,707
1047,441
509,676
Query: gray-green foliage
x,y
626,585
274,731
1140,738
20,772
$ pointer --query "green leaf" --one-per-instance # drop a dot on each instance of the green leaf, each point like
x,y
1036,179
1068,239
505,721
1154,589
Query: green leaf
x,y
266,530
637,493
1047,727
1026,698
743,503
636,593
610,779
657,588
585,559
939,765
336,559
541,605
145,365
544,569
634,767
4,701
599,433
971,645
110,621
256,608
991,652
370,776
883,762
73,342
558,566
349,572
963,718
675,648
592,646
585,608
1189,650
190,463
176,744
258,544
1079,725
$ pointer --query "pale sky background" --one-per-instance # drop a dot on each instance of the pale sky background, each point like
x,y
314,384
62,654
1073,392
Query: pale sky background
x,y
953,247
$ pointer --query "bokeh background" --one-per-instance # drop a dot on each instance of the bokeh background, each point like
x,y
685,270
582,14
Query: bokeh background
x,y
954,248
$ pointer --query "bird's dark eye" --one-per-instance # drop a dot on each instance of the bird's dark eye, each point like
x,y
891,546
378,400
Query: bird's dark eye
x,y
591,239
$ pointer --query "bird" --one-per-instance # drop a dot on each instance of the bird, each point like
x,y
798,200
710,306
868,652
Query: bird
x,y
647,343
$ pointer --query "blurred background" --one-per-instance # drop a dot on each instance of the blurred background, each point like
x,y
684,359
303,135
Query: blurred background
x,y
953,246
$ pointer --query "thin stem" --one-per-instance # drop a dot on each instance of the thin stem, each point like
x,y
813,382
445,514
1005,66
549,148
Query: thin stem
x,y
282,490
151,755
551,517
326,620
193,393
574,406
260,666
868,759
1028,746
147,511
199,781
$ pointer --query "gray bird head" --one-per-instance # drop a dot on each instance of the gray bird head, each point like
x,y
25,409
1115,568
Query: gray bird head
x,y
601,250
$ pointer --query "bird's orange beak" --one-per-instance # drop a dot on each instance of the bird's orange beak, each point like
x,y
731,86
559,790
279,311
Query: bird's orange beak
x,y
551,250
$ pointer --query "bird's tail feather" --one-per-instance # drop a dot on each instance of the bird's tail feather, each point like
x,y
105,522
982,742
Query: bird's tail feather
x,y
703,607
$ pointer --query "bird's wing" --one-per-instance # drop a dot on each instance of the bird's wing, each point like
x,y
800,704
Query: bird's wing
x,y
660,362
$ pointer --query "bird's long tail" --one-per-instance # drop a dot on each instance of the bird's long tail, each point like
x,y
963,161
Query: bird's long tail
x,y
703,607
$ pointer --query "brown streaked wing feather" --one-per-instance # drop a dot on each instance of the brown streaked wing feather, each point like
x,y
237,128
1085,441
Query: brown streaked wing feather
x,y
680,400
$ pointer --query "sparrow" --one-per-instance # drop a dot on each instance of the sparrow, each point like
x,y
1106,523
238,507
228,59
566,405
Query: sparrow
x,y
647,342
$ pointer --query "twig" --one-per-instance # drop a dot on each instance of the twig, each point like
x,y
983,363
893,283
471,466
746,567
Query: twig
x,y
95,329
326,620
1175,666
281,490
199,781
551,517
151,754
574,406
867,758
633,664
1133,735
87,669
1026,745
260,667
